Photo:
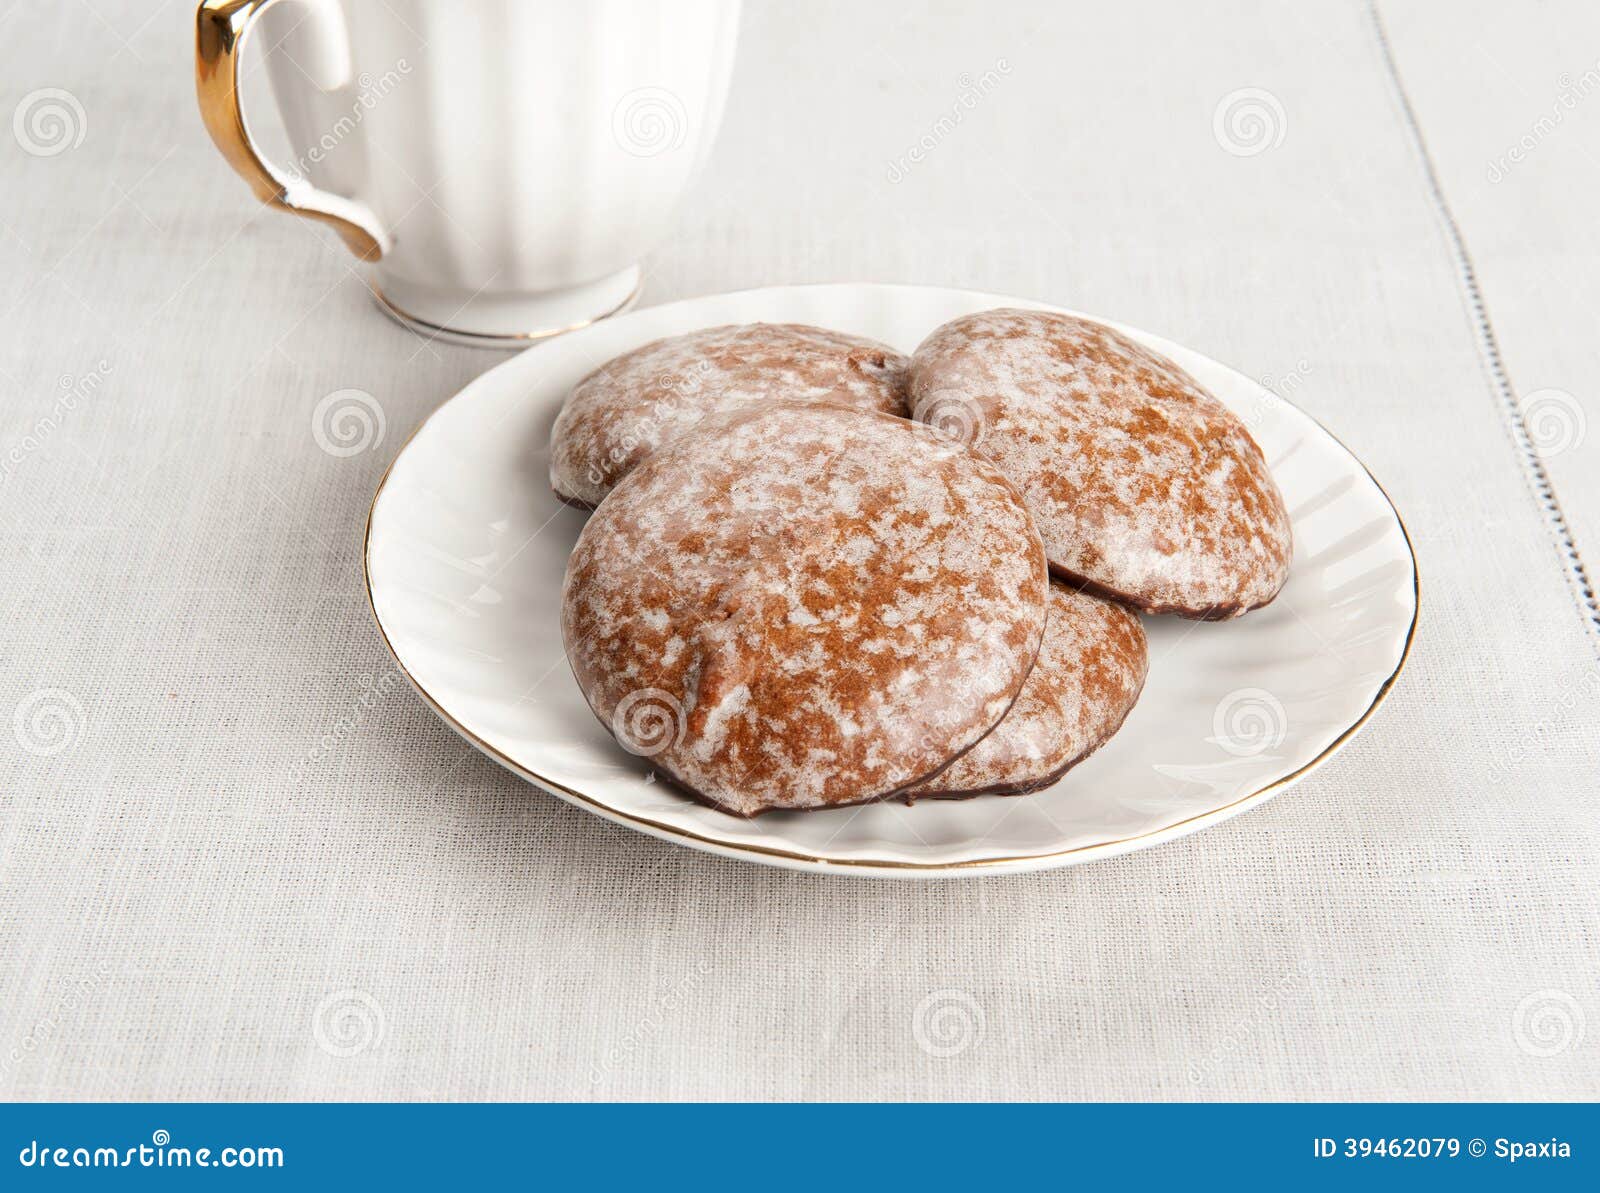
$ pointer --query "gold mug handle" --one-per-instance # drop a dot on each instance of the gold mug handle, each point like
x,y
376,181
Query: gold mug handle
x,y
220,29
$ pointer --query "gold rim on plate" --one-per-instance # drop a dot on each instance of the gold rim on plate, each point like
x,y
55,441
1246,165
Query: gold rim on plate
x,y
726,847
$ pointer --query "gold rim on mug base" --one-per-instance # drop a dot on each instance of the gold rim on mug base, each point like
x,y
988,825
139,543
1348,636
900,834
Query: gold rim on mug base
x,y
484,339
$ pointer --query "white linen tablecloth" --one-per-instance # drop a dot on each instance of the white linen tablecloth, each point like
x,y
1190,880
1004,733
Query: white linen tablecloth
x,y
238,860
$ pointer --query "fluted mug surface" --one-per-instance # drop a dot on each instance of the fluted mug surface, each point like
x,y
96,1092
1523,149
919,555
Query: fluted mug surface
x,y
501,165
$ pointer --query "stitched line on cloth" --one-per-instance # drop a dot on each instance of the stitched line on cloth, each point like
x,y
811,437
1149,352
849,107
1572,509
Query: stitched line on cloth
x,y
1489,349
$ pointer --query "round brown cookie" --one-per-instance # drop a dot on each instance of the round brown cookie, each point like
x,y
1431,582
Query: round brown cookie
x,y
1089,673
628,407
803,606
1145,487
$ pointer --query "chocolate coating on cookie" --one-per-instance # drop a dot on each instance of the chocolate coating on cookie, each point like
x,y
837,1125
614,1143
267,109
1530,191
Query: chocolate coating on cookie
x,y
630,406
1089,673
804,606
1144,486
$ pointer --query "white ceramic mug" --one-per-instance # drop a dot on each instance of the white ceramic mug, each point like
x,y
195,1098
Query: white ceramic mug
x,y
501,164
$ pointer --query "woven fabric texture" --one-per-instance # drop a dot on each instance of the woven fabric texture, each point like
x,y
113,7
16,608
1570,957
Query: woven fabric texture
x,y
240,859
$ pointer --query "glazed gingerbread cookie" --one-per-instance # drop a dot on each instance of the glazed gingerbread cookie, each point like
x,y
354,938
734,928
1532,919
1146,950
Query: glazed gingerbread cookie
x,y
1087,678
803,605
1144,486
624,410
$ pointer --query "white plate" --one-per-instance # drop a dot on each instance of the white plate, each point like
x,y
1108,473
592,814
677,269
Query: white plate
x,y
466,547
